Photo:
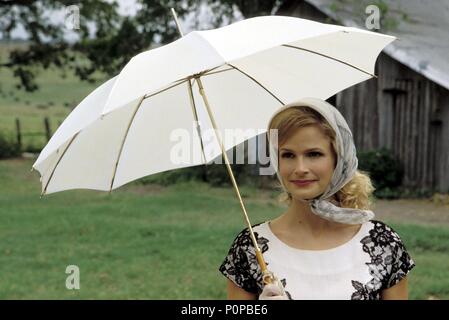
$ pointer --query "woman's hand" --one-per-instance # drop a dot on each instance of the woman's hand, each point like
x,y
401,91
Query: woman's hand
x,y
273,291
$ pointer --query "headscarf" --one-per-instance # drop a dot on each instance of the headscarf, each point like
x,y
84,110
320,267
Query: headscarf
x,y
344,171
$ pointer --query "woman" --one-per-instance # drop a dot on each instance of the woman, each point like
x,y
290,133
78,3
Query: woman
x,y
325,245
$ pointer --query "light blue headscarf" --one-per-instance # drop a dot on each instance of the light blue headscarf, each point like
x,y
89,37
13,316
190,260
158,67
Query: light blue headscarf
x,y
344,171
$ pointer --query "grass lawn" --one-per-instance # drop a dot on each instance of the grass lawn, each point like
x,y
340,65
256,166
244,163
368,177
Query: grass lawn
x,y
149,242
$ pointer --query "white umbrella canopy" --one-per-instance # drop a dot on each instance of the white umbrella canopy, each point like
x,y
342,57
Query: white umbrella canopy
x,y
230,78
105,152
249,69
289,56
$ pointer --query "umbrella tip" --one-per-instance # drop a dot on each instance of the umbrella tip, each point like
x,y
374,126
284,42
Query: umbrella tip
x,y
175,16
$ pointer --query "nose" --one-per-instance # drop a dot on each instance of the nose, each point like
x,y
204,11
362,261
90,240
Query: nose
x,y
301,166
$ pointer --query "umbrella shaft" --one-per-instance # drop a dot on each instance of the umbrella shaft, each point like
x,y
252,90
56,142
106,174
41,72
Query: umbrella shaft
x,y
259,256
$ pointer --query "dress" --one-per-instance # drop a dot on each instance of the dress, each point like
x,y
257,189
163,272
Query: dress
x,y
373,260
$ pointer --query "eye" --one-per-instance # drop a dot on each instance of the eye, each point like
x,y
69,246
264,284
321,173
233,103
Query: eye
x,y
287,155
315,154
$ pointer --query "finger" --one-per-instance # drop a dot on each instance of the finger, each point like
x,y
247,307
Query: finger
x,y
272,290
278,298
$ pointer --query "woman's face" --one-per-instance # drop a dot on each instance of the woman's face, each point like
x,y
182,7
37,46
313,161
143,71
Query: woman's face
x,y
306,155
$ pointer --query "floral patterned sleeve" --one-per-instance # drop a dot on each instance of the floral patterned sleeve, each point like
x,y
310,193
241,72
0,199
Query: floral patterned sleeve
x,y
400,261
240,265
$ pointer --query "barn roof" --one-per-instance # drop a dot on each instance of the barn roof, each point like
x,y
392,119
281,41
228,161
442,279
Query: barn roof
x,y
421,26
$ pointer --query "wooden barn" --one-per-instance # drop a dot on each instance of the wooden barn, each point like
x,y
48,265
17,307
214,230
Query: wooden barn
x,y
406,109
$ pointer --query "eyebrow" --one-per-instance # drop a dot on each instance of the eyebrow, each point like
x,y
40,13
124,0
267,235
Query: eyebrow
x,y
311,149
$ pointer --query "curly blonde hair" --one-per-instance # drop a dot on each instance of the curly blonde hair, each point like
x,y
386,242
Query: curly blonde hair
x,y
357,193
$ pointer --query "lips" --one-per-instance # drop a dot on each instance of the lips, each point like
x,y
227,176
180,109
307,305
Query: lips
x,y
302,182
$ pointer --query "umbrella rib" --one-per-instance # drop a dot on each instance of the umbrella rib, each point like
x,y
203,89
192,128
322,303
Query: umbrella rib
x,y
331,58
195,115
129,126
210,73
180,81
123,141
57,163
257,82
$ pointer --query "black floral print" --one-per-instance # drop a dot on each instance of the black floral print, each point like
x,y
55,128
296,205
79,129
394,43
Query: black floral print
x,y
389,263
362,293
240,265
284,284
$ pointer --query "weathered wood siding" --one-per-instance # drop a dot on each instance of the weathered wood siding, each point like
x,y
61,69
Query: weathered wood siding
x,y
406,113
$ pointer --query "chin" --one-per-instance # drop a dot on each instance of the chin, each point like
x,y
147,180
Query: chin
x,y
305,195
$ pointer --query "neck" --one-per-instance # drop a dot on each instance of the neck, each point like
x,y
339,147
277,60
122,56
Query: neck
x,y
300,216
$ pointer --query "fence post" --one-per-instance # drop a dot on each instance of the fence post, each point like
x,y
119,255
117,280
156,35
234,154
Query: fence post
x,y
47,128
19,134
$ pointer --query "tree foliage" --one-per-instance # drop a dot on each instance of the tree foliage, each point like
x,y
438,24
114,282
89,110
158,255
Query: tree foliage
x,y
106,40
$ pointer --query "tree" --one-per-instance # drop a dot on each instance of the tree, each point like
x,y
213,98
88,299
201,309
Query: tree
x,y
110,41
46,45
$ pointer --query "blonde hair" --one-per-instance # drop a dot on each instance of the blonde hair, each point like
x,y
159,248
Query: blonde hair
x,y
357,193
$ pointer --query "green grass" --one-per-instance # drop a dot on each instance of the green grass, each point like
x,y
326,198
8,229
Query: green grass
x,y
134,243
149,242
